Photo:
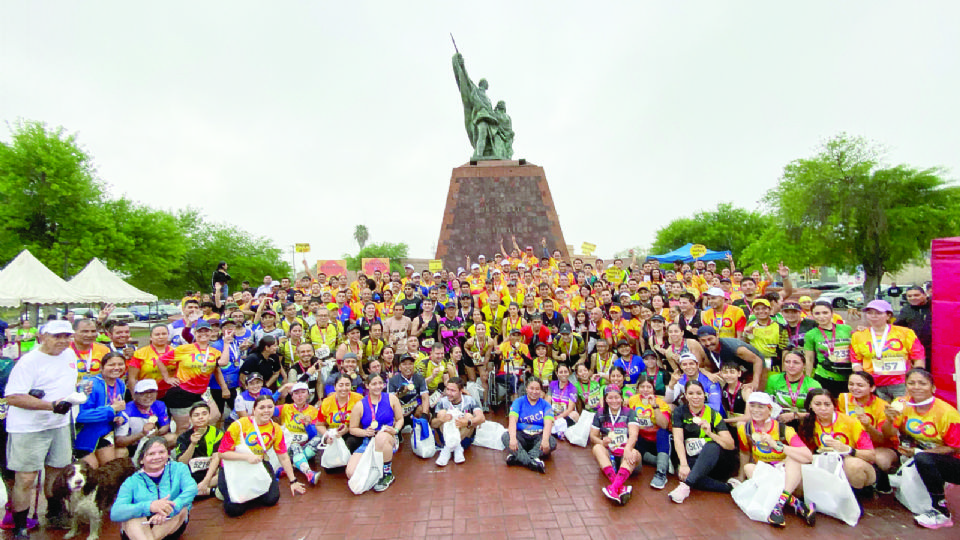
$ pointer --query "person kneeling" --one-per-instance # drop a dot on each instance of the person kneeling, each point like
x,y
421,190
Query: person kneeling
x,y
197,448
155,502
614,436
465,413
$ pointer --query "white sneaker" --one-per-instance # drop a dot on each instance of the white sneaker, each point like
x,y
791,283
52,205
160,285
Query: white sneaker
x,y
444,457
458,455
680,493
933,520
734,482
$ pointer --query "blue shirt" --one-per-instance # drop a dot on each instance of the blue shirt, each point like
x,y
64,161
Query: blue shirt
x,y
633,369
134,420
531,417
712,389
231,372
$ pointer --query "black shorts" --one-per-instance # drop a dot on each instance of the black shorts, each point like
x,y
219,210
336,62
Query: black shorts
x,y
221,401
353,443
178,398
102,442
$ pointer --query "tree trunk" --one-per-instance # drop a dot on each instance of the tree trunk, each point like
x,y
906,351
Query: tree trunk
x,y
870,283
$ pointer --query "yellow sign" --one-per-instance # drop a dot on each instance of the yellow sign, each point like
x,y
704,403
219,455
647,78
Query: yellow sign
x,y
436,265
698,250
587,248
302,248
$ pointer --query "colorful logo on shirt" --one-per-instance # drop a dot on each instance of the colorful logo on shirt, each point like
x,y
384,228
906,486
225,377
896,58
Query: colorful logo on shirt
x,y
916,426
94,366
254,442
839,437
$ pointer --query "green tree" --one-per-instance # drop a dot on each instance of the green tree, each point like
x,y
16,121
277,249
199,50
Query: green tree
x,y
361,235
52,203
249,257
394,252
844,209
725,229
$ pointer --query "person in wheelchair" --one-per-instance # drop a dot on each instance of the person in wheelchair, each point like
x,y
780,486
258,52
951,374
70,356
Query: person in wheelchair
x,y
515,358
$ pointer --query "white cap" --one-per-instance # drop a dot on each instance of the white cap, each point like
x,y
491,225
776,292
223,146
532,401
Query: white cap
x,y
504,262
415,274
521,265
57,327
481,256
764,399
146,385
408,265
299,386
714,291
495,271
474,266
436,274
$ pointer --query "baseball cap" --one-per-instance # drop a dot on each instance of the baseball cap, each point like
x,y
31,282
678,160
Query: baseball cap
x,y
415,274
796,307
690,355
299,386
201,324
648,352
623,343
254,376
805,299
350,355
514,330
484,257
57,327
714,291
706,331
474,266
146,385
521,265
658,318
406,358
615,309
408,265
565,328
764,398
761,301
879,305
268,312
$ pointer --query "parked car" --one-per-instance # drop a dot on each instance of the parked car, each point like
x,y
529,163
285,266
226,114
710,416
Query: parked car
x,y
146,312
844,296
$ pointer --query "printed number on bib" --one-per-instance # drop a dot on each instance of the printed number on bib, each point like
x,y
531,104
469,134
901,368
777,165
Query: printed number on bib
x,y
427,343
617,439
694,446
298,438
435,398
559,407
840,356
892,367
323,352
198,464
593,402
645,422
409,407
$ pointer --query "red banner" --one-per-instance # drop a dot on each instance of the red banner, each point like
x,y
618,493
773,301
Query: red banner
x,y
372,265
332,267
945,259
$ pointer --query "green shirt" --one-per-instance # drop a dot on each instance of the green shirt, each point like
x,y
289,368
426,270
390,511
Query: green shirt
x,y
771,340
789,395
832,348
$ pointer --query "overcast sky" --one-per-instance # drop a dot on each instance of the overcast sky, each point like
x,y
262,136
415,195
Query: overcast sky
x,y
299,120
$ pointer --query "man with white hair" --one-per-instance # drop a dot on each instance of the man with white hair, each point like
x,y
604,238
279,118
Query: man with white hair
x,y
38,423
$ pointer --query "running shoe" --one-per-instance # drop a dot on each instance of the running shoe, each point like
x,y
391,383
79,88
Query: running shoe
x,y
512,460
776,517
444,457
933,519
809,514
313,477
384,483
539,466
612,494
680,493
883,484
659,481
458,456
625,494
21,534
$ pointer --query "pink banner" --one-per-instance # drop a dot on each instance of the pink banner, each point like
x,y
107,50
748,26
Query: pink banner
x,y
945,259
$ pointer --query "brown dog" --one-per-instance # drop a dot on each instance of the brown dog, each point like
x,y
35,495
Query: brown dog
x,y
89,493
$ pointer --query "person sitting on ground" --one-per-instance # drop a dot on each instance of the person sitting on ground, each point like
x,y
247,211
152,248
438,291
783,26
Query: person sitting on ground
x,y
653,417
299,421
155,503
198,449
528,437
466,414
763,438
614,435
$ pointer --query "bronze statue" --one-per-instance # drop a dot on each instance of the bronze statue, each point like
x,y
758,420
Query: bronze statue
x,y
490,130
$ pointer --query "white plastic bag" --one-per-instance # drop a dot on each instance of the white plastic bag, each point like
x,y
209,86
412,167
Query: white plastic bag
x,y
911,491
559,427
758,495
422,439
451,435
336,455
826,486
369,470
476,392
579,434
490,435
245,481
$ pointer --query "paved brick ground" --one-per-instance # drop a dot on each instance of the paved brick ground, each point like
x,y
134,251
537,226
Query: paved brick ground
x,y
483,498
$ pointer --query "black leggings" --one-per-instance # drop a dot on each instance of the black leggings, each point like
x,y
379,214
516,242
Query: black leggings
x,y
221,401
270,498
705,466
937,469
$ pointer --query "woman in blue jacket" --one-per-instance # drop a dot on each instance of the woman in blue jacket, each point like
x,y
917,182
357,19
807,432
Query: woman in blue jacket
x,y
95,420
154,503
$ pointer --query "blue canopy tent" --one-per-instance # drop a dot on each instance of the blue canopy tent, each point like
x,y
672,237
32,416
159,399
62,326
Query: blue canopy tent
x,y
683,255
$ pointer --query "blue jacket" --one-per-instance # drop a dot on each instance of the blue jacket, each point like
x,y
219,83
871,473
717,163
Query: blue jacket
x,y
713,390
96,415
139,491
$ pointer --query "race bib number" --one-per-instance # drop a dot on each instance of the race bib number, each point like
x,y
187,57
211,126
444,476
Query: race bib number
x,y
3,409
298,438
435,398
891,366
559,407
409,407
323,352
694,446
593,401
840,356
617,439
199,464
645,422
427,343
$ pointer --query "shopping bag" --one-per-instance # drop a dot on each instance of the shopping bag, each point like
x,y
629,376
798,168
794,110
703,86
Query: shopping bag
x,y
559,428
758,495
579,434
489,435
911,492
336,455
451,435
826,486
245,481
369,470
423,443
476,392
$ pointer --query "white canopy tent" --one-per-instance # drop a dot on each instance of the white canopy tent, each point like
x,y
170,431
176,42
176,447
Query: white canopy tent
x,y
27,281
96,283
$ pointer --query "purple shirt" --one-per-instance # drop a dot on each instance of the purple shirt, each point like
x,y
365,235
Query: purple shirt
x,y
560,398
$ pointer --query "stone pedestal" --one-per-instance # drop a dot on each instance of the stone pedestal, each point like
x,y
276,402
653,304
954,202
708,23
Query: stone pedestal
x,y
493,200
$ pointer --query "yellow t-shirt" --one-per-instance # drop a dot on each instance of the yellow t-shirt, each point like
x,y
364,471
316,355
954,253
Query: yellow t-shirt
x,y
939,426
333,415
296,421
271,434
770,455
513,357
